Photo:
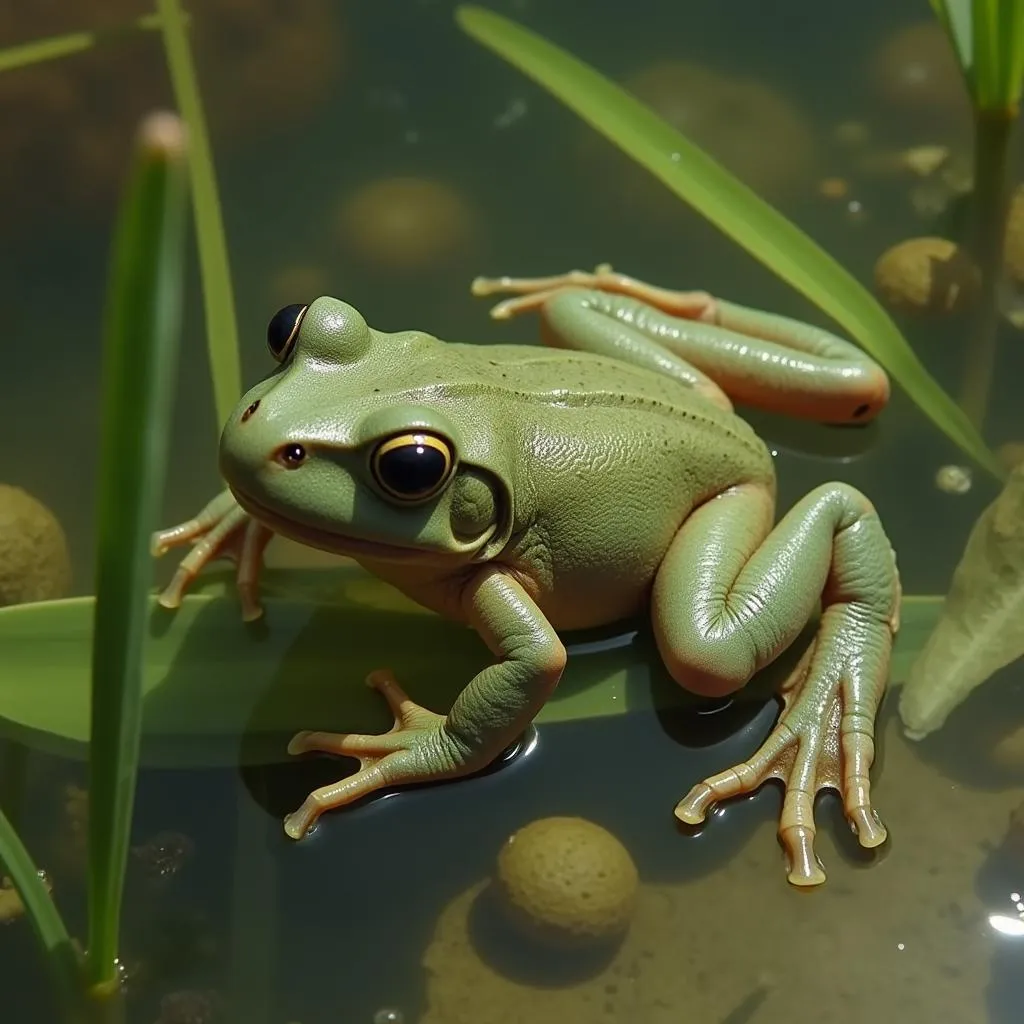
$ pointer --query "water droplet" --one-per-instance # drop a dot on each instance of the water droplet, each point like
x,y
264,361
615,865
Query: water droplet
x,y
388,1016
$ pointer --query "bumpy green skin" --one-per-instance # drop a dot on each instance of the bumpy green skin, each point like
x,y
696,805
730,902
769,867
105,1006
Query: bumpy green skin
x,y
588,488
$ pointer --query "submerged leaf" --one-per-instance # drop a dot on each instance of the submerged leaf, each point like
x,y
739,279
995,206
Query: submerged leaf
x,y
981,628
220,691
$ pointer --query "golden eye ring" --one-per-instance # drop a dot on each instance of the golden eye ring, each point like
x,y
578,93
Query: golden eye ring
x,y
412,467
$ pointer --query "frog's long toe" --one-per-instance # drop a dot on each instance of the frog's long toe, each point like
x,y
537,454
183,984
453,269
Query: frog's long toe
x,y
221,530
534,292
415,749
823,740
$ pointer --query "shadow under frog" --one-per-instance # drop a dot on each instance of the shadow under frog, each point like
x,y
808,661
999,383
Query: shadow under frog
x,y
240,690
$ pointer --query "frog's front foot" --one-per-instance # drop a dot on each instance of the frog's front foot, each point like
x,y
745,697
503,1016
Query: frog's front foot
x,y
221,530
824,739
416,749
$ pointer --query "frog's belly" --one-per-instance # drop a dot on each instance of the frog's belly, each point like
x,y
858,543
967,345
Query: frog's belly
x,y
596,580
586,604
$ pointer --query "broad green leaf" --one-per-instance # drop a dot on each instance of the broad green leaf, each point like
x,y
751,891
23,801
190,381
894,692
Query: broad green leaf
x,y
142,335
724,200
73,42
214,266
221,691
981,627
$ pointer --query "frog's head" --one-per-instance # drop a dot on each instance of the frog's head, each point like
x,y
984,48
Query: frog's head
x,y
355,444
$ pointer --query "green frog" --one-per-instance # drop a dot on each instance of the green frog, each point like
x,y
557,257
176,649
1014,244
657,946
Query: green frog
x,y
527,490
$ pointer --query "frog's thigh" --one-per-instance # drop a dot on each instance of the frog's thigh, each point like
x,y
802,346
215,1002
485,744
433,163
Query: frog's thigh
x,y
732,593
612,326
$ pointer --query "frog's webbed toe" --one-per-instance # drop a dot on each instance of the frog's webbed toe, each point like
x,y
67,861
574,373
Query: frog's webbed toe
x,y
415,749
764,584
221,530
824,739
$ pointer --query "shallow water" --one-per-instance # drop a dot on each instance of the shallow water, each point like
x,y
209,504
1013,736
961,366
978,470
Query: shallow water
x,y
337,928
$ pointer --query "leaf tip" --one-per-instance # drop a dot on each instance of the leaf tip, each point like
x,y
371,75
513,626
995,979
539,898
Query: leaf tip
x,y
162,133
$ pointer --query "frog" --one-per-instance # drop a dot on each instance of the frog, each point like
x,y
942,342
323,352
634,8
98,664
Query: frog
x,y
532,490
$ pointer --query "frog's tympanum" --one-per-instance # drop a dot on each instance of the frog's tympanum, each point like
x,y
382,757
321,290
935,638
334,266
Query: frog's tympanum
x,y
526,491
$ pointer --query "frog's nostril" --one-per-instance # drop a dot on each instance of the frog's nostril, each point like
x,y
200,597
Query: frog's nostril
x,y
291,456
252,408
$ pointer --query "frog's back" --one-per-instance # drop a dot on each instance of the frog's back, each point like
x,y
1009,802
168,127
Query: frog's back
x,y
549,382
618,458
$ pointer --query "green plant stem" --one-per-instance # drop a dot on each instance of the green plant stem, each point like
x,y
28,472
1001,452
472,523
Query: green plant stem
x,y
143,321
993,130
218,296
13,778
74,42
53,936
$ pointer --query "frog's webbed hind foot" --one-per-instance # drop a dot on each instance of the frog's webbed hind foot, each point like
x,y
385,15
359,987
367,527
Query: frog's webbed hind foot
x,y
823,740
534,292
765,583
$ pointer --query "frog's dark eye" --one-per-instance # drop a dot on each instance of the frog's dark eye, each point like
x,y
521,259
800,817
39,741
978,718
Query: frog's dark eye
x,y
283,329
412,467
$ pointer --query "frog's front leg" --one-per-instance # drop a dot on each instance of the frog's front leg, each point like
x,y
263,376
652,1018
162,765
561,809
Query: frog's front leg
x,y
720,348
494,708
733,593
221,530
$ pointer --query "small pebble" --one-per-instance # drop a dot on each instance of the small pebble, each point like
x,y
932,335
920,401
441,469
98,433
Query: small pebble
x,y
954,479
1011,454
833,188
924,160
851,133
1008,751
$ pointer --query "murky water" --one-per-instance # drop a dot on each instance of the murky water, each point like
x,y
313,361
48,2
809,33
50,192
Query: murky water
x,y
375,911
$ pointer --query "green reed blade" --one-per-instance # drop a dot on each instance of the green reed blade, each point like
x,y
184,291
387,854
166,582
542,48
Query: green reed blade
x,y
729,204
74,42
218,297
955,16
142,336
988,38
1010,39
40,909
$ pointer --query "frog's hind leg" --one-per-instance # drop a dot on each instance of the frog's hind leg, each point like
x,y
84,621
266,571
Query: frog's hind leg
x,y
760,359
733,593
574,317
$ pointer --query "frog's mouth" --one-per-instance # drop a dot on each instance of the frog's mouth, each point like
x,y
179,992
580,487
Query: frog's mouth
x,y
336,543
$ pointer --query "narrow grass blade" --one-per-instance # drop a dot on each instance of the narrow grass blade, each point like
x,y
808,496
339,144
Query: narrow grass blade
x,y
74,42
143,327
736,210
218,297
46,921
956,17
986,53
1010,35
